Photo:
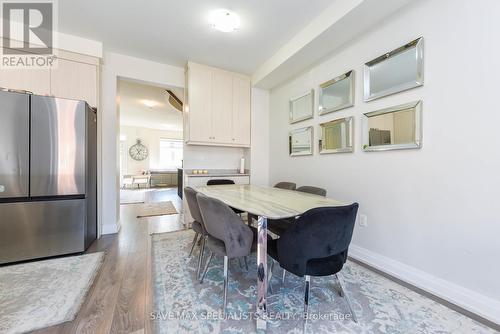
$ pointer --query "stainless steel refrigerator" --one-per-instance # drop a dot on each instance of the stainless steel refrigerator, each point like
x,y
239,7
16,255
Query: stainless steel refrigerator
x,y
48,176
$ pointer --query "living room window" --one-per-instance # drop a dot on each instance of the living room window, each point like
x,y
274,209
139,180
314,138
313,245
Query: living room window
x,y
170,153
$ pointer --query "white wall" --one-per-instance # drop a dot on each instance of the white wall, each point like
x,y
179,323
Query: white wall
x,y
432,211
151,139
115,66
259,154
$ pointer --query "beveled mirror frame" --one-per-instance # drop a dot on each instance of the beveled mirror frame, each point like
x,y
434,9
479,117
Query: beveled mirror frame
x,y
418,45
417,144
290,106
346,76
350,148
311,147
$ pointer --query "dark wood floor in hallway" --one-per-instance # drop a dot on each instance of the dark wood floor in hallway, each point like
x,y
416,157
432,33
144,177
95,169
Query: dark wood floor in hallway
x,y
120,298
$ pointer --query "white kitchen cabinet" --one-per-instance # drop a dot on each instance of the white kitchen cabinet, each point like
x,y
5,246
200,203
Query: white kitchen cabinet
x,y
199,110
35,80
241,110
74,80
74,76
222,105
217,109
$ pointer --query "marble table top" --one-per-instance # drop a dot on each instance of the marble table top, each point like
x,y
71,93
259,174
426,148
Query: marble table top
x,y
273,203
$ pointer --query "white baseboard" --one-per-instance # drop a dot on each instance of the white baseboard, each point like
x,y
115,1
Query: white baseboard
x,y
469,300
111,228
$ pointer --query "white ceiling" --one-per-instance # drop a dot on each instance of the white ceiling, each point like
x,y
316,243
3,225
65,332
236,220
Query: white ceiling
x,y
173,32
133,111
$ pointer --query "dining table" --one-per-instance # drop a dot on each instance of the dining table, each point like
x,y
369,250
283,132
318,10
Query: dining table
x,y
265,203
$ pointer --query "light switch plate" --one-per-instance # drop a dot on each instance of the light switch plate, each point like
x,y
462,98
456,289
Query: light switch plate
x,y
363,220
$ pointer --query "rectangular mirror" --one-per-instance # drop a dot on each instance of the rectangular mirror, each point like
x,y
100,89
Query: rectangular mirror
x,y
302,107
300,141
336,136
394,72
337,94
399,127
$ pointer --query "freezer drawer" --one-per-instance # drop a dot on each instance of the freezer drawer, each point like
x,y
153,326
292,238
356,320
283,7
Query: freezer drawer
x,y
40,229
14,141
58,147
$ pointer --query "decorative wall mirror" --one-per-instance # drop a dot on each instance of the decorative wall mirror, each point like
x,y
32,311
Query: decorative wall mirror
x,y
398,127
396,71
302,107
336,136
337,94
301,141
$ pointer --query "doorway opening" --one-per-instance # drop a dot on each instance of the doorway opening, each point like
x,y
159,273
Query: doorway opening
x,y
150,139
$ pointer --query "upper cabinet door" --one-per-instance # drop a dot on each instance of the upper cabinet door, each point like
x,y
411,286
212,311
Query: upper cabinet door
x,y
74,80
36,81
200,104
241,110
222,103
217,107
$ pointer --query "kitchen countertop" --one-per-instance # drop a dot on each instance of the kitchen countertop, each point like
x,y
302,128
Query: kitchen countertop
x,y
217,173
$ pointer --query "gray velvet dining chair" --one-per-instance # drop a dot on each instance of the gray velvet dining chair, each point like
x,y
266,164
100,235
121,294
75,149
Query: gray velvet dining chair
x,y
312,190
228,236
197,225
286,185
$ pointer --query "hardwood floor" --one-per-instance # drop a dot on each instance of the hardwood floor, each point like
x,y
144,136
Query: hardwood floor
x,y
120,300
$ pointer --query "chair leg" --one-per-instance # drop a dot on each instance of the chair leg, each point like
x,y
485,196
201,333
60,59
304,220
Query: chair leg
x,y
348,301
270,275
239,262
246,262
200,258
283,277
192,245
306,295
339,289
206,266
226,265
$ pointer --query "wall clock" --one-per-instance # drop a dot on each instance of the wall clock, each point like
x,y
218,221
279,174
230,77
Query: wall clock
x,y
138,151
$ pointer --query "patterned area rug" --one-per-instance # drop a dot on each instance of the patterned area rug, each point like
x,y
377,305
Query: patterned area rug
x,y
155,209
182,305
45,293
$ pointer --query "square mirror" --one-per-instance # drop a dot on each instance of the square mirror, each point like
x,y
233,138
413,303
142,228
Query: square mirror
x,y
336,94
336,136
394,72
301,141
399,127
302,107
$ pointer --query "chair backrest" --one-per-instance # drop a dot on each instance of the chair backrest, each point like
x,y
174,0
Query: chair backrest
x,y
312,190
317,234
192,202
219,182
286,185
222,223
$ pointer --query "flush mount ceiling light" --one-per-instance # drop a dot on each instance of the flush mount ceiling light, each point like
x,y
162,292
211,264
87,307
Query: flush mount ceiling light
x,y
224,20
